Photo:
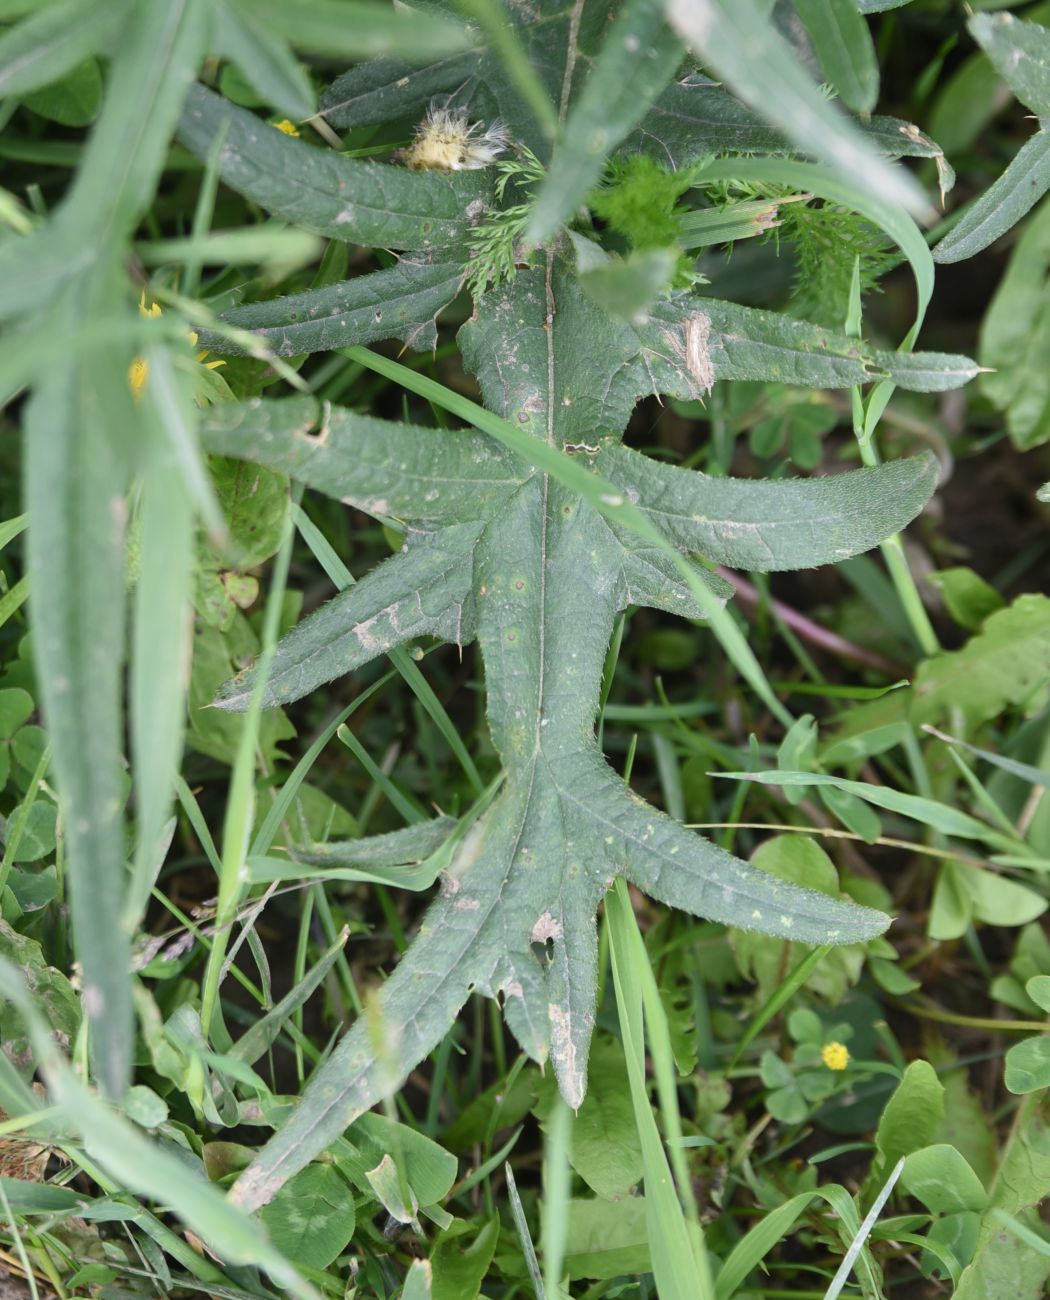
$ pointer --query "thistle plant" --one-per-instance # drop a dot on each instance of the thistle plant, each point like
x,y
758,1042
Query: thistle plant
x,y
532,530
589,148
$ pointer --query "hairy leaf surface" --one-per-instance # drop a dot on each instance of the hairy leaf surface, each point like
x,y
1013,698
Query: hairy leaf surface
x,y
538,576
1020,53
402,302
344,198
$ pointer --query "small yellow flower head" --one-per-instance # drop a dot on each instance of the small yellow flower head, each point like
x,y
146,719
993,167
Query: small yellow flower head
x,y
137,374
287,126
835,1056
447,142
138,371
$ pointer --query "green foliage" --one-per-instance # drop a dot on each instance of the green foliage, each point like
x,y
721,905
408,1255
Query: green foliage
x,y
1006,664
484,564
911,1117
176,820
1012,337
312,1218
638,200
494,241
1018,51
604,1148
844,49
829,242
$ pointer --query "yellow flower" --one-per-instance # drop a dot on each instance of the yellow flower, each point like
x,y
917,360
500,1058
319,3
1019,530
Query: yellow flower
x,y
835,1056
287,126
138,371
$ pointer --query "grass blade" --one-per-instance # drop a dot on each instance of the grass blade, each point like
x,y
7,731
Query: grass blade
x,y
783,994
161,629
735,38
270,67
132,1161
524,1236
843,45
52,42
857,1244
938,816
678,1271
75,480
639,57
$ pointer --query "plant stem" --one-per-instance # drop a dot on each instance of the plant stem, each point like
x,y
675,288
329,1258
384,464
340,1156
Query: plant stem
x,y
864,425
896,561
240,809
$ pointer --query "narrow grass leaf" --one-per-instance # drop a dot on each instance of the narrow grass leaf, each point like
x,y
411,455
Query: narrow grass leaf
x,y
159,678
360,29
1033,775
737,40
43,48
844,48
240,806
80,440
857,1244
639,57
13,599
1032,1239
406,807
281,806
263,1033
279,251
273,72
177,420
661,1053
12,528
521,1223
134,1162
938,816
557,1188
783,994
678,1274
751,1250
121,163
75,482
